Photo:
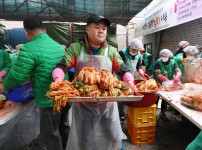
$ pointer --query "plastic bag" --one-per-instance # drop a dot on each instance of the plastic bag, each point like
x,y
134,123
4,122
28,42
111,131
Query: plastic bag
x,y
192,99
21,129
170,86
23,93
193,71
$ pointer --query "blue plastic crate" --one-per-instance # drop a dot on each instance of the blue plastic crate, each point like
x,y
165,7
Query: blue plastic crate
x,y
23,93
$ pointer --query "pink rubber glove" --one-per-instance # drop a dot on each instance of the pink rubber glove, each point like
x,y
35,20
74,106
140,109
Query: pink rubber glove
x,y
2,73
128,78
162,78
144,75
58,74
177,77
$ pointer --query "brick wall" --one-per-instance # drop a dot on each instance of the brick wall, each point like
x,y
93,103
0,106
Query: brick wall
x,y
170,38
191,32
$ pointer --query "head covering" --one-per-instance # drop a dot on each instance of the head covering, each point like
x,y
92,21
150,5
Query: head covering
x,y
166,52
136,44
94,18
191,50
183,44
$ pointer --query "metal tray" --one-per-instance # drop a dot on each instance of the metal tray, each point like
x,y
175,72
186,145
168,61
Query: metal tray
x,y
107,99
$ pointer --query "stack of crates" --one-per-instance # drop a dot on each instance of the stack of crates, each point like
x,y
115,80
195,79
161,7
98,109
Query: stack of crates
x,y
141,124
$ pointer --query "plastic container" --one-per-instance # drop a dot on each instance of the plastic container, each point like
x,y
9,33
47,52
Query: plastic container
x,y
149,98
141,117
141,135
23,93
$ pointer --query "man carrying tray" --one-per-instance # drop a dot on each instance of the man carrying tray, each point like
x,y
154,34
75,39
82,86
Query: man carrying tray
x,y
95,126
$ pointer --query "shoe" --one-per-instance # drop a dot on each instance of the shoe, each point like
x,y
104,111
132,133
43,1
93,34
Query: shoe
x,y
178,117
163,117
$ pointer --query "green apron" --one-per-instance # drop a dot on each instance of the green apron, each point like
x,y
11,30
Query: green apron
x,y
145,60
166,70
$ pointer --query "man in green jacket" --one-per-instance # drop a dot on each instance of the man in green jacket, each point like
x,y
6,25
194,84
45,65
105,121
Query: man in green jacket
x,y
36,61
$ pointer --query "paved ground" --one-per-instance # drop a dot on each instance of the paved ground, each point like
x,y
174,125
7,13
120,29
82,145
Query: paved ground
x,y
170,135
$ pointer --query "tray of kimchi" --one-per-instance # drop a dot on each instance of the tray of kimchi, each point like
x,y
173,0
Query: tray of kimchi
x,y
107,98
91,85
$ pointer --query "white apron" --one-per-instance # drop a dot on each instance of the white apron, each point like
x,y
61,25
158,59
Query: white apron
x,y
95,126
132,64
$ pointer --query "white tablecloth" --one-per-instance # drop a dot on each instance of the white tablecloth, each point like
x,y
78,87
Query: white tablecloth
x,y
173,98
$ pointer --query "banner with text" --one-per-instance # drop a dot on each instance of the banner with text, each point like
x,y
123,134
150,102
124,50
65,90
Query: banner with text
x,y
171,13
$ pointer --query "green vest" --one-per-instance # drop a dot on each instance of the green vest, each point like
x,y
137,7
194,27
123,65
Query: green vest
x,y
166,70
178,59
145,60
128,56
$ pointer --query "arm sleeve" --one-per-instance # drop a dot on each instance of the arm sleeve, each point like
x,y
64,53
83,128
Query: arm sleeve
x,y
122,56
139,64
7,62
69,59
118,65
21,71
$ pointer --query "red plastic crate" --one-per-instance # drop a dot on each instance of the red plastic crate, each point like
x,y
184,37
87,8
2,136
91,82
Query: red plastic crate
x,y
141,117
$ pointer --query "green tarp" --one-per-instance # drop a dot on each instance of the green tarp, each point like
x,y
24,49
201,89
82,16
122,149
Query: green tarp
x,y
60,32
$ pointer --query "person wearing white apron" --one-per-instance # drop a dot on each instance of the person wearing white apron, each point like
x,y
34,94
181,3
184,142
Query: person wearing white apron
x,y
132,58
95,126
98,122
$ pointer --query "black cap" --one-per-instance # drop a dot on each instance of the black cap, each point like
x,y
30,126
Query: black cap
x,y
94,18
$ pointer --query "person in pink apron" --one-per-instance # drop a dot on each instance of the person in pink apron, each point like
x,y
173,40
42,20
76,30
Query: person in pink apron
x,y
95,126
